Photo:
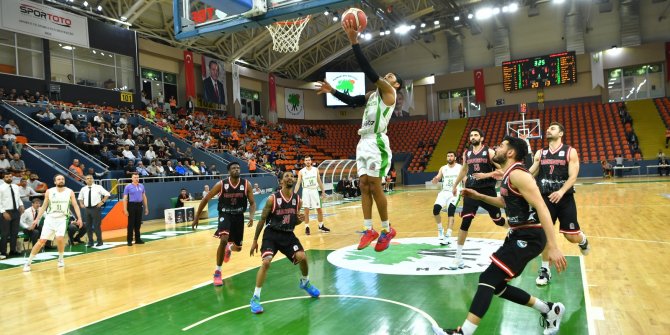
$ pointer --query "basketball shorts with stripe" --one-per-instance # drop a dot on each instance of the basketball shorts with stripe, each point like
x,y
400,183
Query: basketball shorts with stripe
x,y
233,225
280,241
373,155
566,213
520,247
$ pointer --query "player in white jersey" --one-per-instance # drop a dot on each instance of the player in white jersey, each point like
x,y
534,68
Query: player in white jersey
x,y
57,202
310,179
448,174
373,153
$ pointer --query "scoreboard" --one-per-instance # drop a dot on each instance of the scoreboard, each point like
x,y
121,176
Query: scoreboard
x,y
543,71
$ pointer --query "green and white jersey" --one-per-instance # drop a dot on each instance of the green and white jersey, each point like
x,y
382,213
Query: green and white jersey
x,y
309,178
376,115
449,175
59,203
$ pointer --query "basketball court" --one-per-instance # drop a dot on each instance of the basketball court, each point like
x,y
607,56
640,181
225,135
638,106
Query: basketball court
x,y
165,285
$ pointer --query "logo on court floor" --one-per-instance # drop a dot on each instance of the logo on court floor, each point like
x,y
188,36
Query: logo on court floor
x,y
417,256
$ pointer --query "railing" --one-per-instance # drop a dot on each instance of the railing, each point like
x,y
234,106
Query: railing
x,y
54,134
45,157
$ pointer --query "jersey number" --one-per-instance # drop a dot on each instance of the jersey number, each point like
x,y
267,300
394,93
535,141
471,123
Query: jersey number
x,y
475,167
287,219
551,169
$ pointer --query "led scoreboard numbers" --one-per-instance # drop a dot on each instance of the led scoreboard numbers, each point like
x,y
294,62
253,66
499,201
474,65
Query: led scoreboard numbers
x,y
543,71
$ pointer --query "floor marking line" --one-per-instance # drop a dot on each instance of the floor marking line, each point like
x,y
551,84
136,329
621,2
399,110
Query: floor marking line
x,y
153,302
587,297
415,309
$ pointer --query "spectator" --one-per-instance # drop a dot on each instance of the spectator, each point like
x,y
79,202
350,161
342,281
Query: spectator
x,y
98,120
10,142
619,163
26,192
17,164
257,189
91,171
183,196
130,169
192,165
181,170
4,163
27,218
75,170
11,125
664,165
128,155
252,166
190,106
205,191
65,115
170,170
160,170
213,170
203,169
150,154
37,185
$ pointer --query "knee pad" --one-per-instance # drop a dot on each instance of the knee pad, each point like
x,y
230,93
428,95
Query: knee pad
x,y
500,221
437,209
451,210
467,220
494,278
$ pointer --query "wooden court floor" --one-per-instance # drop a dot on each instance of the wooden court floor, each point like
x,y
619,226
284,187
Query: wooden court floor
x,y
626,221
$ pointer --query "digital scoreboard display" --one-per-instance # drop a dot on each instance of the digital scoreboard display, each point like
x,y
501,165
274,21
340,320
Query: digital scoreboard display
x,y
543,71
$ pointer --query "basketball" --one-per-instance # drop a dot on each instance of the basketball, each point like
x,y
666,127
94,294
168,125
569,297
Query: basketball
x,y
356,16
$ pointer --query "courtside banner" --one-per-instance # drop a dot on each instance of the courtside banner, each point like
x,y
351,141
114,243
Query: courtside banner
x,y
43,21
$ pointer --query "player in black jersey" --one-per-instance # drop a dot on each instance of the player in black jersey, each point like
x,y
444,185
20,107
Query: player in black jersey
x,y
234,193
479,170
280,216
556,168
520,197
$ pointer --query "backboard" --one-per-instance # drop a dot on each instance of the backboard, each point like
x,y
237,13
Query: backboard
x,y
196,17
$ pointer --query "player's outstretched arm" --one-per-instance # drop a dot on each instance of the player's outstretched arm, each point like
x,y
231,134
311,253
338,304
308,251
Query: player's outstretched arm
x,y
495,201
323,87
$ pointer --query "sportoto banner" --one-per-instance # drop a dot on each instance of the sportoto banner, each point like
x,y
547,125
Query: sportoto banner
x,y
43,21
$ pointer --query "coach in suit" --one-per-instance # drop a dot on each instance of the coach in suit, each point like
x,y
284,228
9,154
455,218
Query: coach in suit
x,y
213,87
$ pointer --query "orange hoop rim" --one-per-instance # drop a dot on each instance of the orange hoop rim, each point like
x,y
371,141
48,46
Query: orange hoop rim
x,y
295,21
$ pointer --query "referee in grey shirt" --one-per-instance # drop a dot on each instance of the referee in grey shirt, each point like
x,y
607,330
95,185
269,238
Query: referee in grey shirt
x,y
91,198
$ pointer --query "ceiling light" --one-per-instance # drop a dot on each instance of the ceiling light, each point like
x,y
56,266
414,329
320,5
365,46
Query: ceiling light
x,y
423,25
513,7
457,18
67,47
437,22
388,31
123,18
505,9
412,27
402,29
470,16
558,1
326,13
85,4
495,11
484,13
99,8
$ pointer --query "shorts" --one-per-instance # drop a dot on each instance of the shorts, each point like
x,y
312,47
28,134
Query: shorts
x,y
373,155
566,213
470,206
231,225
445,198
283,241
520,247
53,228
310,198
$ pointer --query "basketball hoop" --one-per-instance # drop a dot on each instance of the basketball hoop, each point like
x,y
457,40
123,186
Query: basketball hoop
x,y
286,34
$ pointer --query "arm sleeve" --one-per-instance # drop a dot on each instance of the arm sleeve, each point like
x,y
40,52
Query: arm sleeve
x,y
364,64
355,101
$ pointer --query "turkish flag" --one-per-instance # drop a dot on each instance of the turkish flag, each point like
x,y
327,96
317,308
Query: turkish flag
x,y
189,74
667,61
480,90
273,92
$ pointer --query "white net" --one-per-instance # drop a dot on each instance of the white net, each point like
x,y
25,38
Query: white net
x,y
286,34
